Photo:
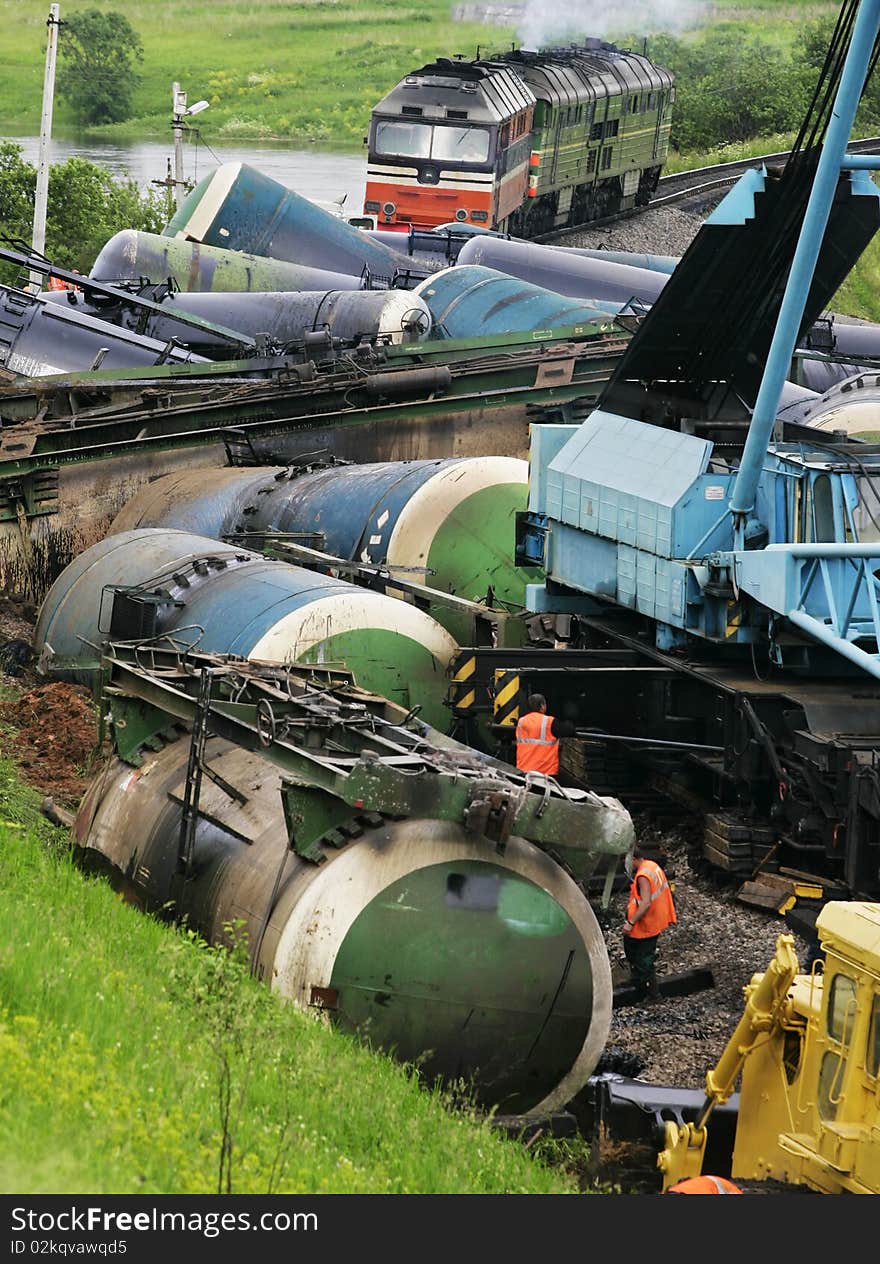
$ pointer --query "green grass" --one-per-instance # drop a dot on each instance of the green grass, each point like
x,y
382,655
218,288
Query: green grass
x,y
776,144
307,71
117,1033
860,293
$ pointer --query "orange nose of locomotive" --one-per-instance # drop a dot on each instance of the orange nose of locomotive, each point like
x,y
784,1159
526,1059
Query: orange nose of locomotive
x,y
403,202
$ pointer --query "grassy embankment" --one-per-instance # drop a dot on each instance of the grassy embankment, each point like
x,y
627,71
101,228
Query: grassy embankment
x,y
118,1036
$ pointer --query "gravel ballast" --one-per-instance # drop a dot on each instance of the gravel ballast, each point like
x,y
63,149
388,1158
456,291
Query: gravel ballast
x,y
681,1038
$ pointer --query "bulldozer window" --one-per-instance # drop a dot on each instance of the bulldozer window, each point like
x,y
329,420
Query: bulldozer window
x,y
841,1007
839,1022
872,1061
830,1081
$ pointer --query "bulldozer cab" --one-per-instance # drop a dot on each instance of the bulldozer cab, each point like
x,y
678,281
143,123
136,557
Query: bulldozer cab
x,y
825,1058
808,1047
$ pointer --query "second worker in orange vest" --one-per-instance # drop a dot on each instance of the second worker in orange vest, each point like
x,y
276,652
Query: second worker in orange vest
x,y
537,737
649,911
705,1185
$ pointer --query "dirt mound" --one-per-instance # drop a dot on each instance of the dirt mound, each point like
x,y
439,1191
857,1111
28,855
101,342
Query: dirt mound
x,y
54,736
16,630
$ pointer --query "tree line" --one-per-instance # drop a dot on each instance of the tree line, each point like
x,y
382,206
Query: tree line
x,y
732,85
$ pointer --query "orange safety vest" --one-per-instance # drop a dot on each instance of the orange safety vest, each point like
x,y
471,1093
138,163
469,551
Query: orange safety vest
x,y
536,750
705,1185
661,910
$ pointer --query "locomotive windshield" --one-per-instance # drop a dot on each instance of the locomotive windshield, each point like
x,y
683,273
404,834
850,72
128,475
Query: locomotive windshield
x,y
423,140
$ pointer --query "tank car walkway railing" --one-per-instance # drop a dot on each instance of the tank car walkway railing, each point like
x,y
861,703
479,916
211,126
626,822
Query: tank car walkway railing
x,y
322,731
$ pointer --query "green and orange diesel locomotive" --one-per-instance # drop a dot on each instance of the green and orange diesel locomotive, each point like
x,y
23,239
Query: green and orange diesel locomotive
x,y
523,142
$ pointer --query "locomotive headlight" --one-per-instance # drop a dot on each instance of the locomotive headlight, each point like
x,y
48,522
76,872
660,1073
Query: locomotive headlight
x,y
461,214
389,208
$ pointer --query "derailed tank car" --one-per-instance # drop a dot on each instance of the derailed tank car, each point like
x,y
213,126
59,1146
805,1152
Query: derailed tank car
x,y
380,874
449,524
230,600
520,141
411,932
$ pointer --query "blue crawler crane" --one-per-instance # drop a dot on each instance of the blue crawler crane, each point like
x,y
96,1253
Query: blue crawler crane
x,y
711,562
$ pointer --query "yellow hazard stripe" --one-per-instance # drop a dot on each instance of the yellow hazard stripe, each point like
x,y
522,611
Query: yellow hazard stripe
x,y
505,700
506,693
466,700
465,670
734,618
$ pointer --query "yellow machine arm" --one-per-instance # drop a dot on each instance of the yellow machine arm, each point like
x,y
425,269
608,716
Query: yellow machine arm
x,y
765,1000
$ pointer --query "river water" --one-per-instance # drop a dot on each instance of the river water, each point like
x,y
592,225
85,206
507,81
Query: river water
x,y
313,173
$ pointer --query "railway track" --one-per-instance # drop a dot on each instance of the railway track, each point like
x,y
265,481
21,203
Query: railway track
x,y
681,185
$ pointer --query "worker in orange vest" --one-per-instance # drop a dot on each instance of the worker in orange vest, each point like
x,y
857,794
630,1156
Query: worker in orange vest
x,y
537,737
649,911
704,1185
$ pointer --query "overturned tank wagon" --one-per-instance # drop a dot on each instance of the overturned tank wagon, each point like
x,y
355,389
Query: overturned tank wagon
x,y
74,448
577,276
448,523
632,258
401,888
834,349
131,255
850,408
239,208
467,299
234,601
203,321
40,338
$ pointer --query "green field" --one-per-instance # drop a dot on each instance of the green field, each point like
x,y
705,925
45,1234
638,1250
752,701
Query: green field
x,y
121,1039
310,71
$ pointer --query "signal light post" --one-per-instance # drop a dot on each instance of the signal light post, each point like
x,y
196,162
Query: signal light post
x,y
179,113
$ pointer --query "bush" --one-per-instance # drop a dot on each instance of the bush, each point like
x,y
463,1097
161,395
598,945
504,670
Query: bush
x,y
810,50
86,207
96,72
731,87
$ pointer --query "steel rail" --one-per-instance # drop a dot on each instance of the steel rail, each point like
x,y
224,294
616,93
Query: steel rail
x,y
719,176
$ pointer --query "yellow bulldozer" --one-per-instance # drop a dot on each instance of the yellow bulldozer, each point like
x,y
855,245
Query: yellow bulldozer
x,y
808,1048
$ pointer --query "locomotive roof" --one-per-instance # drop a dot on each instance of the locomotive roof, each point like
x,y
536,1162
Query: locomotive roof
x,y
479,91
560,75
493,88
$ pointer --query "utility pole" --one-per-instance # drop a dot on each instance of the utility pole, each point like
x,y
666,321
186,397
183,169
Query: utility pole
x,y
178,110
41,199
168,185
